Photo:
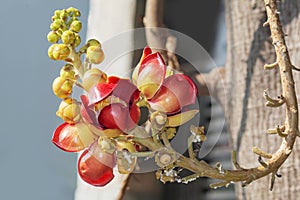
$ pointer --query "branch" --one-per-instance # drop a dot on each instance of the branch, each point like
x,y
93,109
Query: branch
x,y
158,37
272,162
124,187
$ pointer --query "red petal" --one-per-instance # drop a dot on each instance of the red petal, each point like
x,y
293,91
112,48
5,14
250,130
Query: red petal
x,y
151,74
126,91
113,79
100,91
176,92
118,116
87,112
95,166
66,138
147,51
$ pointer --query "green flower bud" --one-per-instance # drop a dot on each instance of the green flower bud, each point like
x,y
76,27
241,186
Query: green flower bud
x,y
95,54
50,51
92,77
93,42
68,72
53,37
62,87
77,40
61,52
76,26
69,110
68,37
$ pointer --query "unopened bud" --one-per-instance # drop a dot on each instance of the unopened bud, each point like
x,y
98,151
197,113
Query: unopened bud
x,y
93,77
93,42
62,88
53,37
76,26
68,37
50,51
60,52
64,15
77,40
69,110
95,54
56,24
68,72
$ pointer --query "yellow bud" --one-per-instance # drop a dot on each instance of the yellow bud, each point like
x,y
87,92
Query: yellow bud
x,y
64,15
68,72
61,52
71,9
93,42
95,54
77,40
92,77
53,37
69,110
57,13
62,88
77,13
50,51
68,37
76,26
56,24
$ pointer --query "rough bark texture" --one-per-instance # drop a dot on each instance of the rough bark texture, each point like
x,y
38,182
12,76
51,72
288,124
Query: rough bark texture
x,y
249,48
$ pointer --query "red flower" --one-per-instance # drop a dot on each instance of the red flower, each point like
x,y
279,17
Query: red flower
x,y
95,166
110,109
166,94
112,105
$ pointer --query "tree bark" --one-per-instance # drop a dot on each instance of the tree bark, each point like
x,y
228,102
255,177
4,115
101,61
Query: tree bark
x,y
106,21
248,48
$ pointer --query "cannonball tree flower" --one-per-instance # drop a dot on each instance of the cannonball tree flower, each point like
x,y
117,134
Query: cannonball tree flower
x,y
169,94
112,105
95,166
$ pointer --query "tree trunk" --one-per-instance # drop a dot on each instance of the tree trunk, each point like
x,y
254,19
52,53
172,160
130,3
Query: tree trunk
x,y
249,47
107,19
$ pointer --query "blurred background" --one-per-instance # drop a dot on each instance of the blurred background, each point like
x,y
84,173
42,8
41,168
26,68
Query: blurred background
x,y
31,167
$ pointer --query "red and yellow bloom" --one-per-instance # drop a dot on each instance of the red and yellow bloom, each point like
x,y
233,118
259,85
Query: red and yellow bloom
x,y
110,109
